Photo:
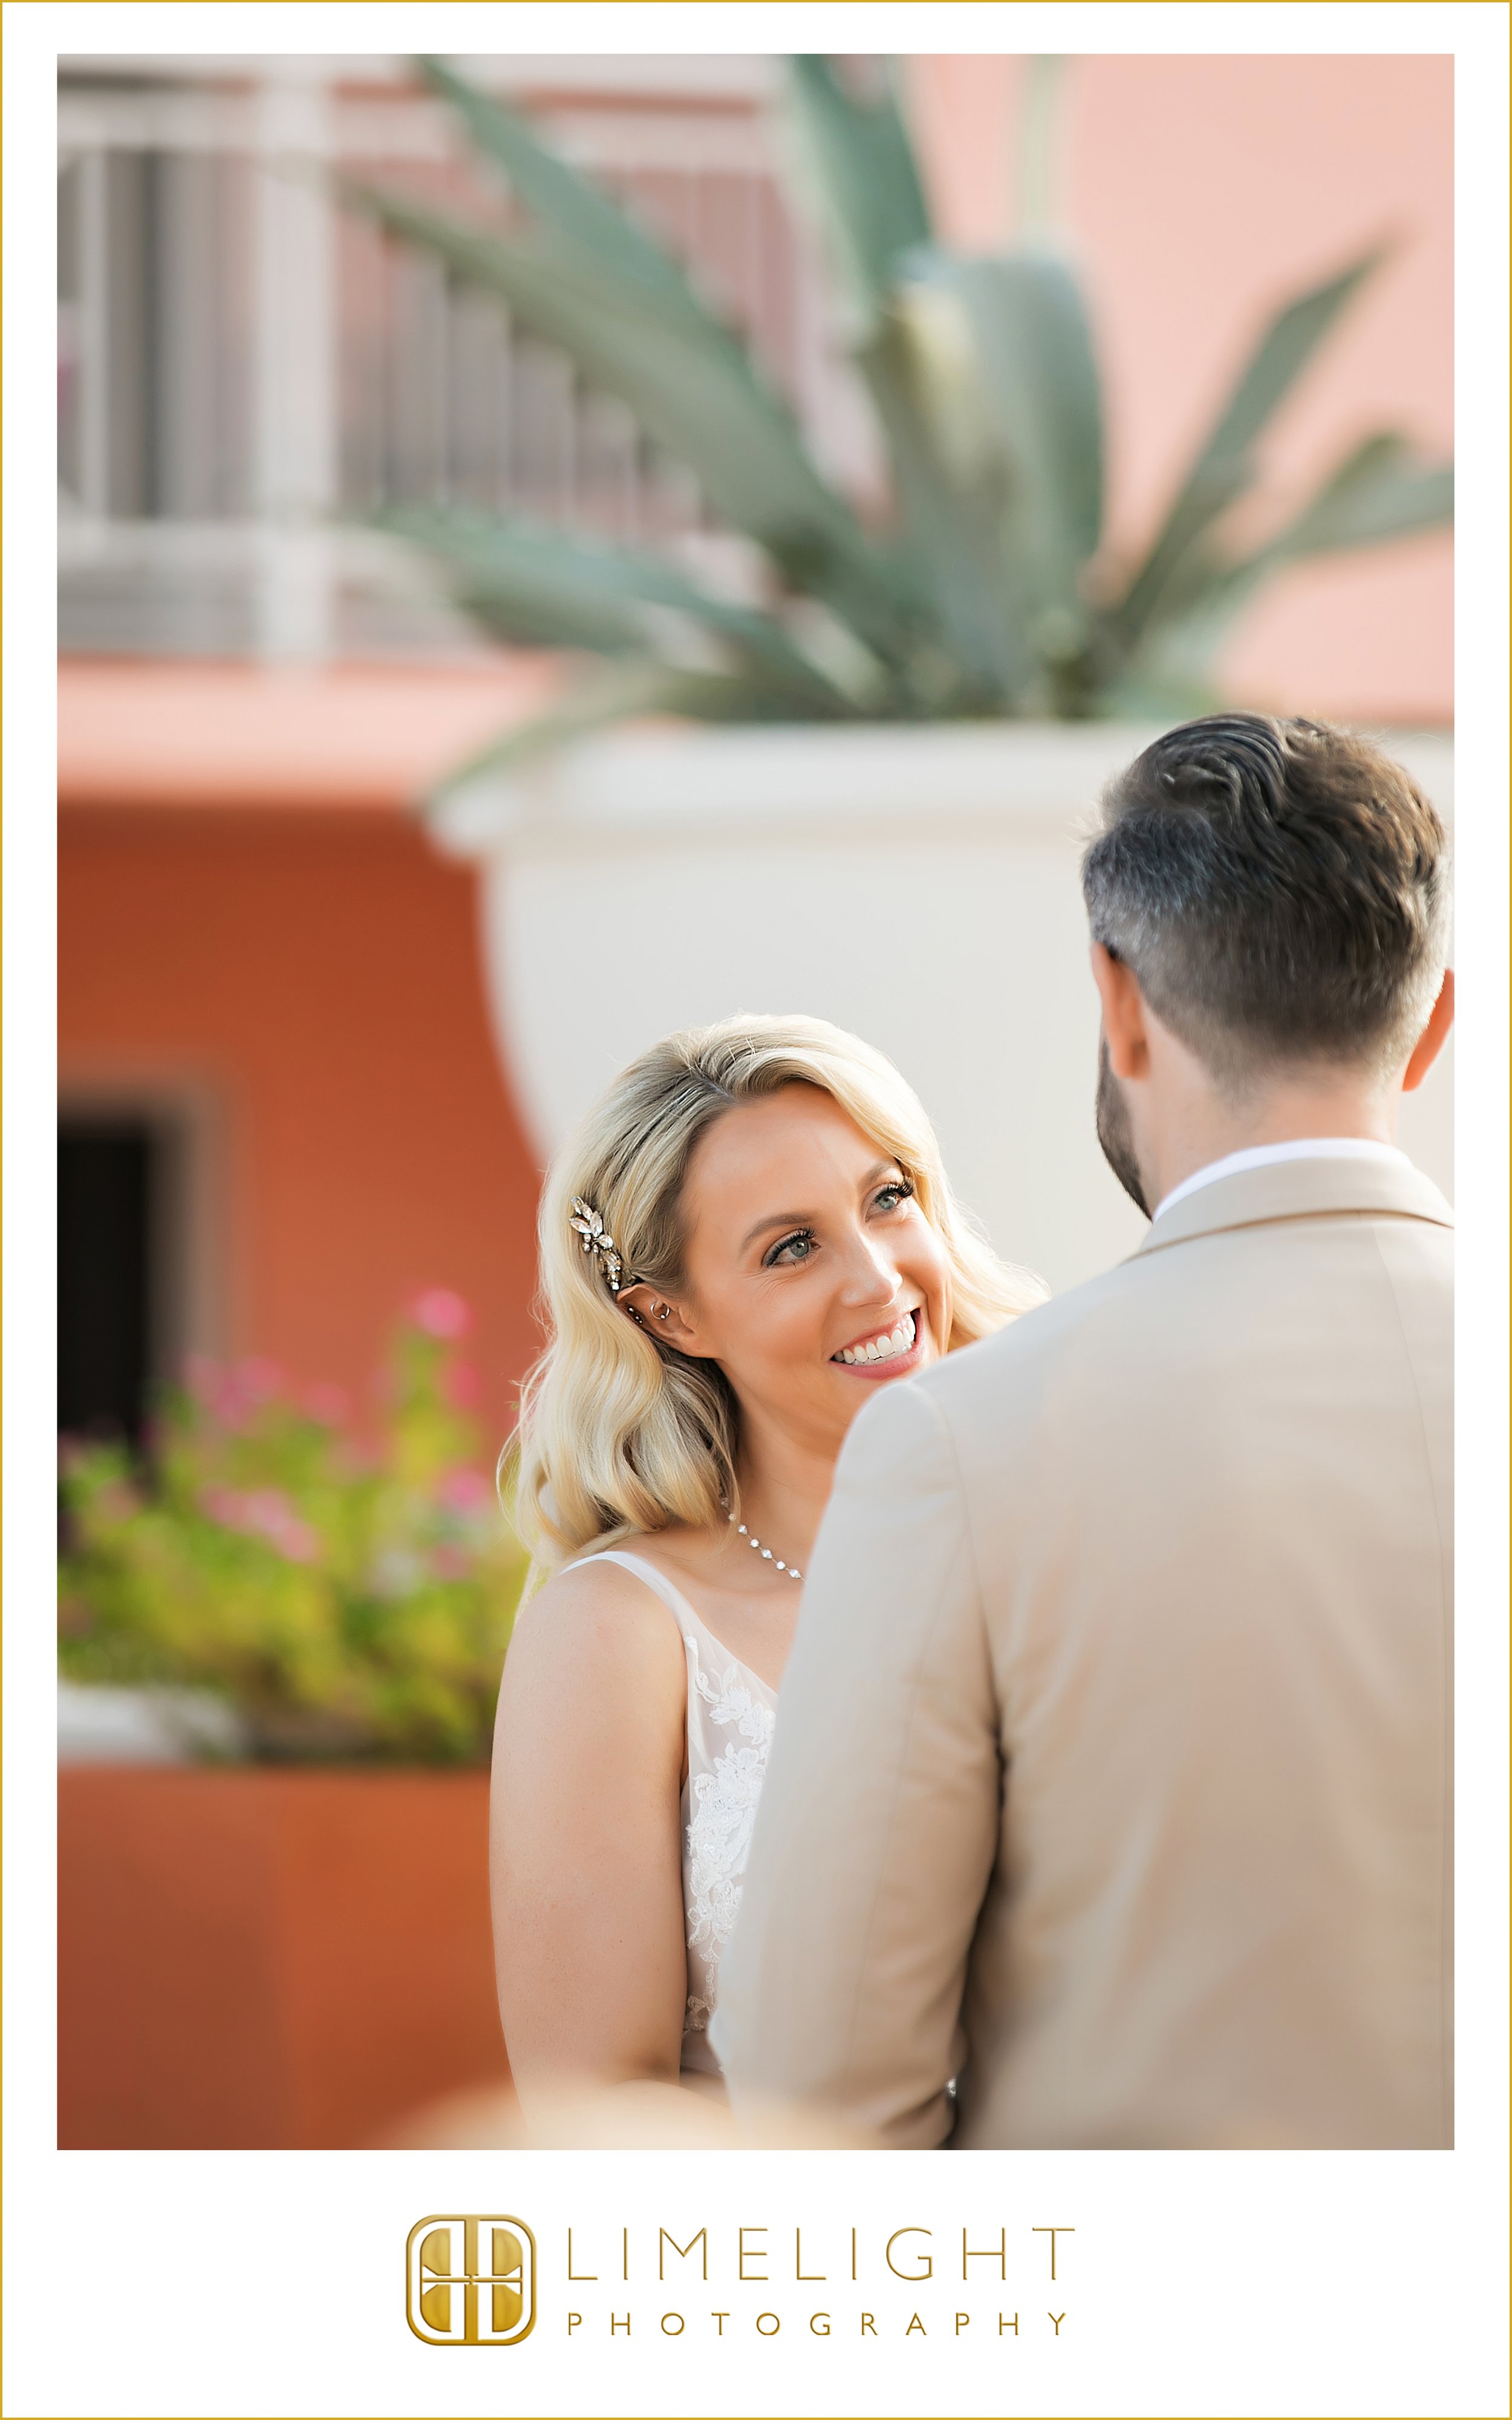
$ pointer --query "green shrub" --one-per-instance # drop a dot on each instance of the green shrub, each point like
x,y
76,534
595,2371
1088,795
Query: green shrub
x,y
349,1599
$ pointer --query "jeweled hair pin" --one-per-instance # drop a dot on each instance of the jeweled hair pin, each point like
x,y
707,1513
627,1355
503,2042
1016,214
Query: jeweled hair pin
x,y
590,1232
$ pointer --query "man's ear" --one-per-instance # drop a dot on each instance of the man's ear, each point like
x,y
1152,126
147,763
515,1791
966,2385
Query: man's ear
x,y
1123,1014
658,1316
1433,1037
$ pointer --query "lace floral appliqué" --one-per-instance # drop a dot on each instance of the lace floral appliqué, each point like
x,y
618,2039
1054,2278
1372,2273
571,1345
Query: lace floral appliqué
x,y
719,1829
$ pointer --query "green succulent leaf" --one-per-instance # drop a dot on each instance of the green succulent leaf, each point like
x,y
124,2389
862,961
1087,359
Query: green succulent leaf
x,y
555,194
950,482
1225,466
1378,493
862,176
540,585
691,389
1040,386
984,378
534,594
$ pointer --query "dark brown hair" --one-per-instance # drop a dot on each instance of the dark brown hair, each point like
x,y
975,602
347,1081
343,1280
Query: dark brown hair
x,y
1279,889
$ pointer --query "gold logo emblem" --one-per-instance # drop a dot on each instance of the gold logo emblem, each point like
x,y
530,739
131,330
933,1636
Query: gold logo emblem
x,y
471,2280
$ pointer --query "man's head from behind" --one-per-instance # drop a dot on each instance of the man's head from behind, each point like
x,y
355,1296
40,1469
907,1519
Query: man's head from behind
x,y
1268,905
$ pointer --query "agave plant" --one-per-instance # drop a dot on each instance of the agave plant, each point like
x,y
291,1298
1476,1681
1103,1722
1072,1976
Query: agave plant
x,y
987,589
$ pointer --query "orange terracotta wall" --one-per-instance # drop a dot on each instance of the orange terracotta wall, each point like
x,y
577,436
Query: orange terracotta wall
x,y
260,1960
1197,192
321,971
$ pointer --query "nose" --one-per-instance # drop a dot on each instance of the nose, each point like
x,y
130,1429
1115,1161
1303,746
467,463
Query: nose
x,y
871,1277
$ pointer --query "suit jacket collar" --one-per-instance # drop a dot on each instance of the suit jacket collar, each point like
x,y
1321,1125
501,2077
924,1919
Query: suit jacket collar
x,y
1301,1188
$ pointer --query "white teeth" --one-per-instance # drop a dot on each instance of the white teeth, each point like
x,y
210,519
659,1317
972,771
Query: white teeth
x,y
883,1349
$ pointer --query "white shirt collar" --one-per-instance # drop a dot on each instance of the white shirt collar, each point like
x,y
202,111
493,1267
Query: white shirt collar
x,y
1266,1155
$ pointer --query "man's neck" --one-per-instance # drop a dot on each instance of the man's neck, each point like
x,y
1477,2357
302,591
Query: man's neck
x,y
1194,1125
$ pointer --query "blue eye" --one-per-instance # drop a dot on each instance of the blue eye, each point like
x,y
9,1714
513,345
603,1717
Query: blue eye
x,y
891,1195
792,1251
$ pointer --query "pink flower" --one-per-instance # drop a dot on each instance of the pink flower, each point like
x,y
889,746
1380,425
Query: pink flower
x,y
230,1395
463,1491
441,1313
264,1512
217,1390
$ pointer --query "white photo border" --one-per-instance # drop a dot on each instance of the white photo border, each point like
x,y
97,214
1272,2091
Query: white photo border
x,y
270,2283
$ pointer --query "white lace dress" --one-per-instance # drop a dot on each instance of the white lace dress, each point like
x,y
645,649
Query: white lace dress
x,y
731,1714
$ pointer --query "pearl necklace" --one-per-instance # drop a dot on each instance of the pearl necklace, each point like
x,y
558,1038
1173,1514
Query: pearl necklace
x,y
766,1552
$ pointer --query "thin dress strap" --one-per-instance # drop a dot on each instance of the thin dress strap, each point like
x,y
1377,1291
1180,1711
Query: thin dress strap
x,y
677,1605
671,1597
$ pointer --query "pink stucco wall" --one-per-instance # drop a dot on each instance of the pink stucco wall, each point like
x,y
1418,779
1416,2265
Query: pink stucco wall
x,y
1198,193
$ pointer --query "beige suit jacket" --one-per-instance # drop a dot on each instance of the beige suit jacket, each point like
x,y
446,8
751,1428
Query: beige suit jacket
x,y
1112,1767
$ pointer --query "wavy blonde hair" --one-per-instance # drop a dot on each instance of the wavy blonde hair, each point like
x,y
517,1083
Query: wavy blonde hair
x,y
617,1433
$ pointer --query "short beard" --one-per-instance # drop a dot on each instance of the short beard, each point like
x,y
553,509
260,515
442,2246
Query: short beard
x,y
1113,1130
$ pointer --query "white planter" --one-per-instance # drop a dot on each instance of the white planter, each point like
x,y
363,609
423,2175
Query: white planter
x,y
918,884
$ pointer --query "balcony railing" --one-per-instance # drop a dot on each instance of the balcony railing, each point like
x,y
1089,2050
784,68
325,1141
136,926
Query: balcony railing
x,y
247,375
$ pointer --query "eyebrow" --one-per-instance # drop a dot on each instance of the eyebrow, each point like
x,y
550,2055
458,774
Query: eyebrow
x,y
805,1218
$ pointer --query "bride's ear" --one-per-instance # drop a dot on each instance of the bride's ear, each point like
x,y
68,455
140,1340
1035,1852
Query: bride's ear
x,y
659,1317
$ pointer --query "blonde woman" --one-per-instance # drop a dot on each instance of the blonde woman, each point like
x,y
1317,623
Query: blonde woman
x,y
751,1232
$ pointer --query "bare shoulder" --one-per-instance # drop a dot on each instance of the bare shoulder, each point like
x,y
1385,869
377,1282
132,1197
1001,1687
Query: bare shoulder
x,y
607,1629
591,1729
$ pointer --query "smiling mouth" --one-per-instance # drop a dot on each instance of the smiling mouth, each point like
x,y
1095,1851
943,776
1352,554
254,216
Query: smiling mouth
x,y
891,1345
